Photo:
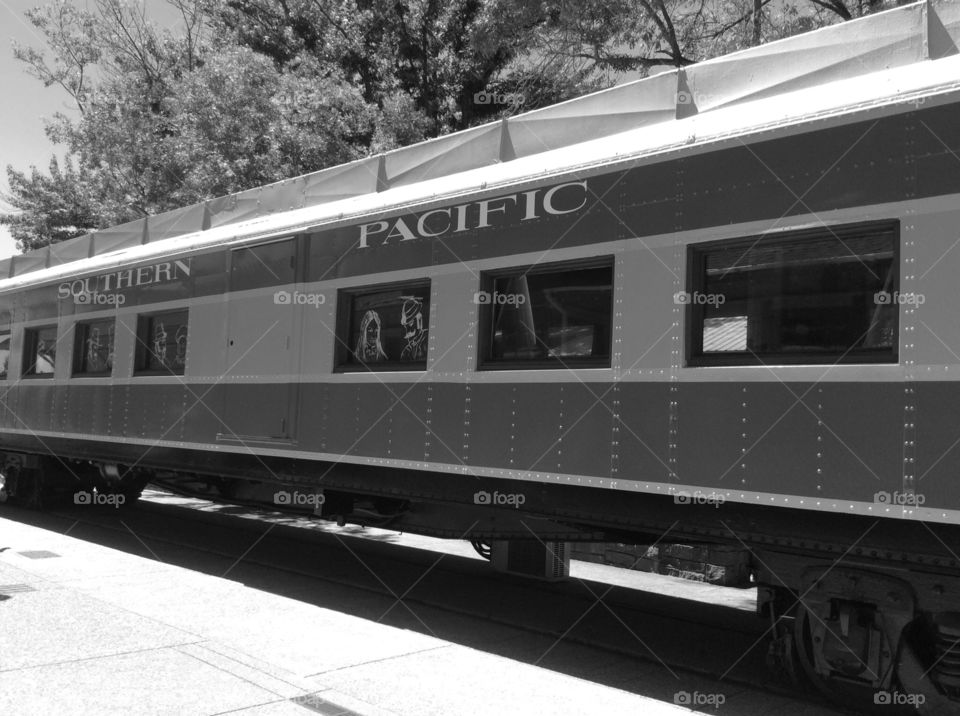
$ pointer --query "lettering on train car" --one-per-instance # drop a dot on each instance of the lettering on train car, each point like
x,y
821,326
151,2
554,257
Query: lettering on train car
x,y
499,210
164,272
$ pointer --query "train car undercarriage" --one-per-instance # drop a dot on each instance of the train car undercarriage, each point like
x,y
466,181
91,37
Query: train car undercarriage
x,y
868,622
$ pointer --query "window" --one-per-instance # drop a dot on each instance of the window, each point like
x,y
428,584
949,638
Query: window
x,y
93,348
162,343
272,264
4,353
554,316
820,296
40,351
384,328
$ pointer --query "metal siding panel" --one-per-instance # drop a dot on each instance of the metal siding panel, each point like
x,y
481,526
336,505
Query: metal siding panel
x,y
642,431
202,414
408,422
649,200
534,444
938,444
936,144
775,440
372,409
445,439
254,410
259,336
8,400
733,185
708,436
342,426
156,411
208,339
586,429
862,438
314,416
36,405
493,424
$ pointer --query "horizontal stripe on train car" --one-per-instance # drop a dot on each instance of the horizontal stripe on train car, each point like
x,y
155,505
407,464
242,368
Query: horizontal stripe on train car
x,y
838,441
412,480
911,155
618,505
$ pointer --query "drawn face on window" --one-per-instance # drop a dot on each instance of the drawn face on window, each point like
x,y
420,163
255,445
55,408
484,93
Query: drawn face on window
x,y
411,318
160,342
93,350
181,357
369,347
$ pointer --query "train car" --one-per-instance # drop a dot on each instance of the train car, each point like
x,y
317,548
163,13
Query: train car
x,y
716,305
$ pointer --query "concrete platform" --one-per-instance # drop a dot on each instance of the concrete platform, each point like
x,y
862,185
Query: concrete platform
x,y
92,630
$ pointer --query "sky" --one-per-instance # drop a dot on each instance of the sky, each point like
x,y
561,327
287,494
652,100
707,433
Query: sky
x,y
26,102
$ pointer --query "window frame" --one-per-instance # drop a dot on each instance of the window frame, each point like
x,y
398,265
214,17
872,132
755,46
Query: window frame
x,y
696,283
79,339
485,362
29,350
237,282
344,329
8,332
141,354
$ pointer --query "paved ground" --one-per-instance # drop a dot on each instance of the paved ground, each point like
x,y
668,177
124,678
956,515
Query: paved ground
x,y
94,630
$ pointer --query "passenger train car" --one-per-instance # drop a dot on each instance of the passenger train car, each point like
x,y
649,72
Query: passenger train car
x,y
715,305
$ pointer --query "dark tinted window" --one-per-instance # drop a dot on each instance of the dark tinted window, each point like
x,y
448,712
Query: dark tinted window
x,y
93,349
384,328
40,351
270,264
547,316
810,297
162,342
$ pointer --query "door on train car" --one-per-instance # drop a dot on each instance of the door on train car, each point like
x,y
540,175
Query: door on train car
x,y
258,387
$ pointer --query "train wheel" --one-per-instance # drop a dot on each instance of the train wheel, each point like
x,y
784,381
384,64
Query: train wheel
x,y
810,637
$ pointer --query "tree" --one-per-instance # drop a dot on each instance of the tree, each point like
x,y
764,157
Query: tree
x,y
54,206
165,119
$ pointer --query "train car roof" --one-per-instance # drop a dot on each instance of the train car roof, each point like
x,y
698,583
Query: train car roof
x,y
880,63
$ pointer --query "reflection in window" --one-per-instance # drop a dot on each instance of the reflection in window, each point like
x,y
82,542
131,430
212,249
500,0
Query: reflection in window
x,y
40,351
812,297
94,347
4,354
162,342
385,329
555,317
